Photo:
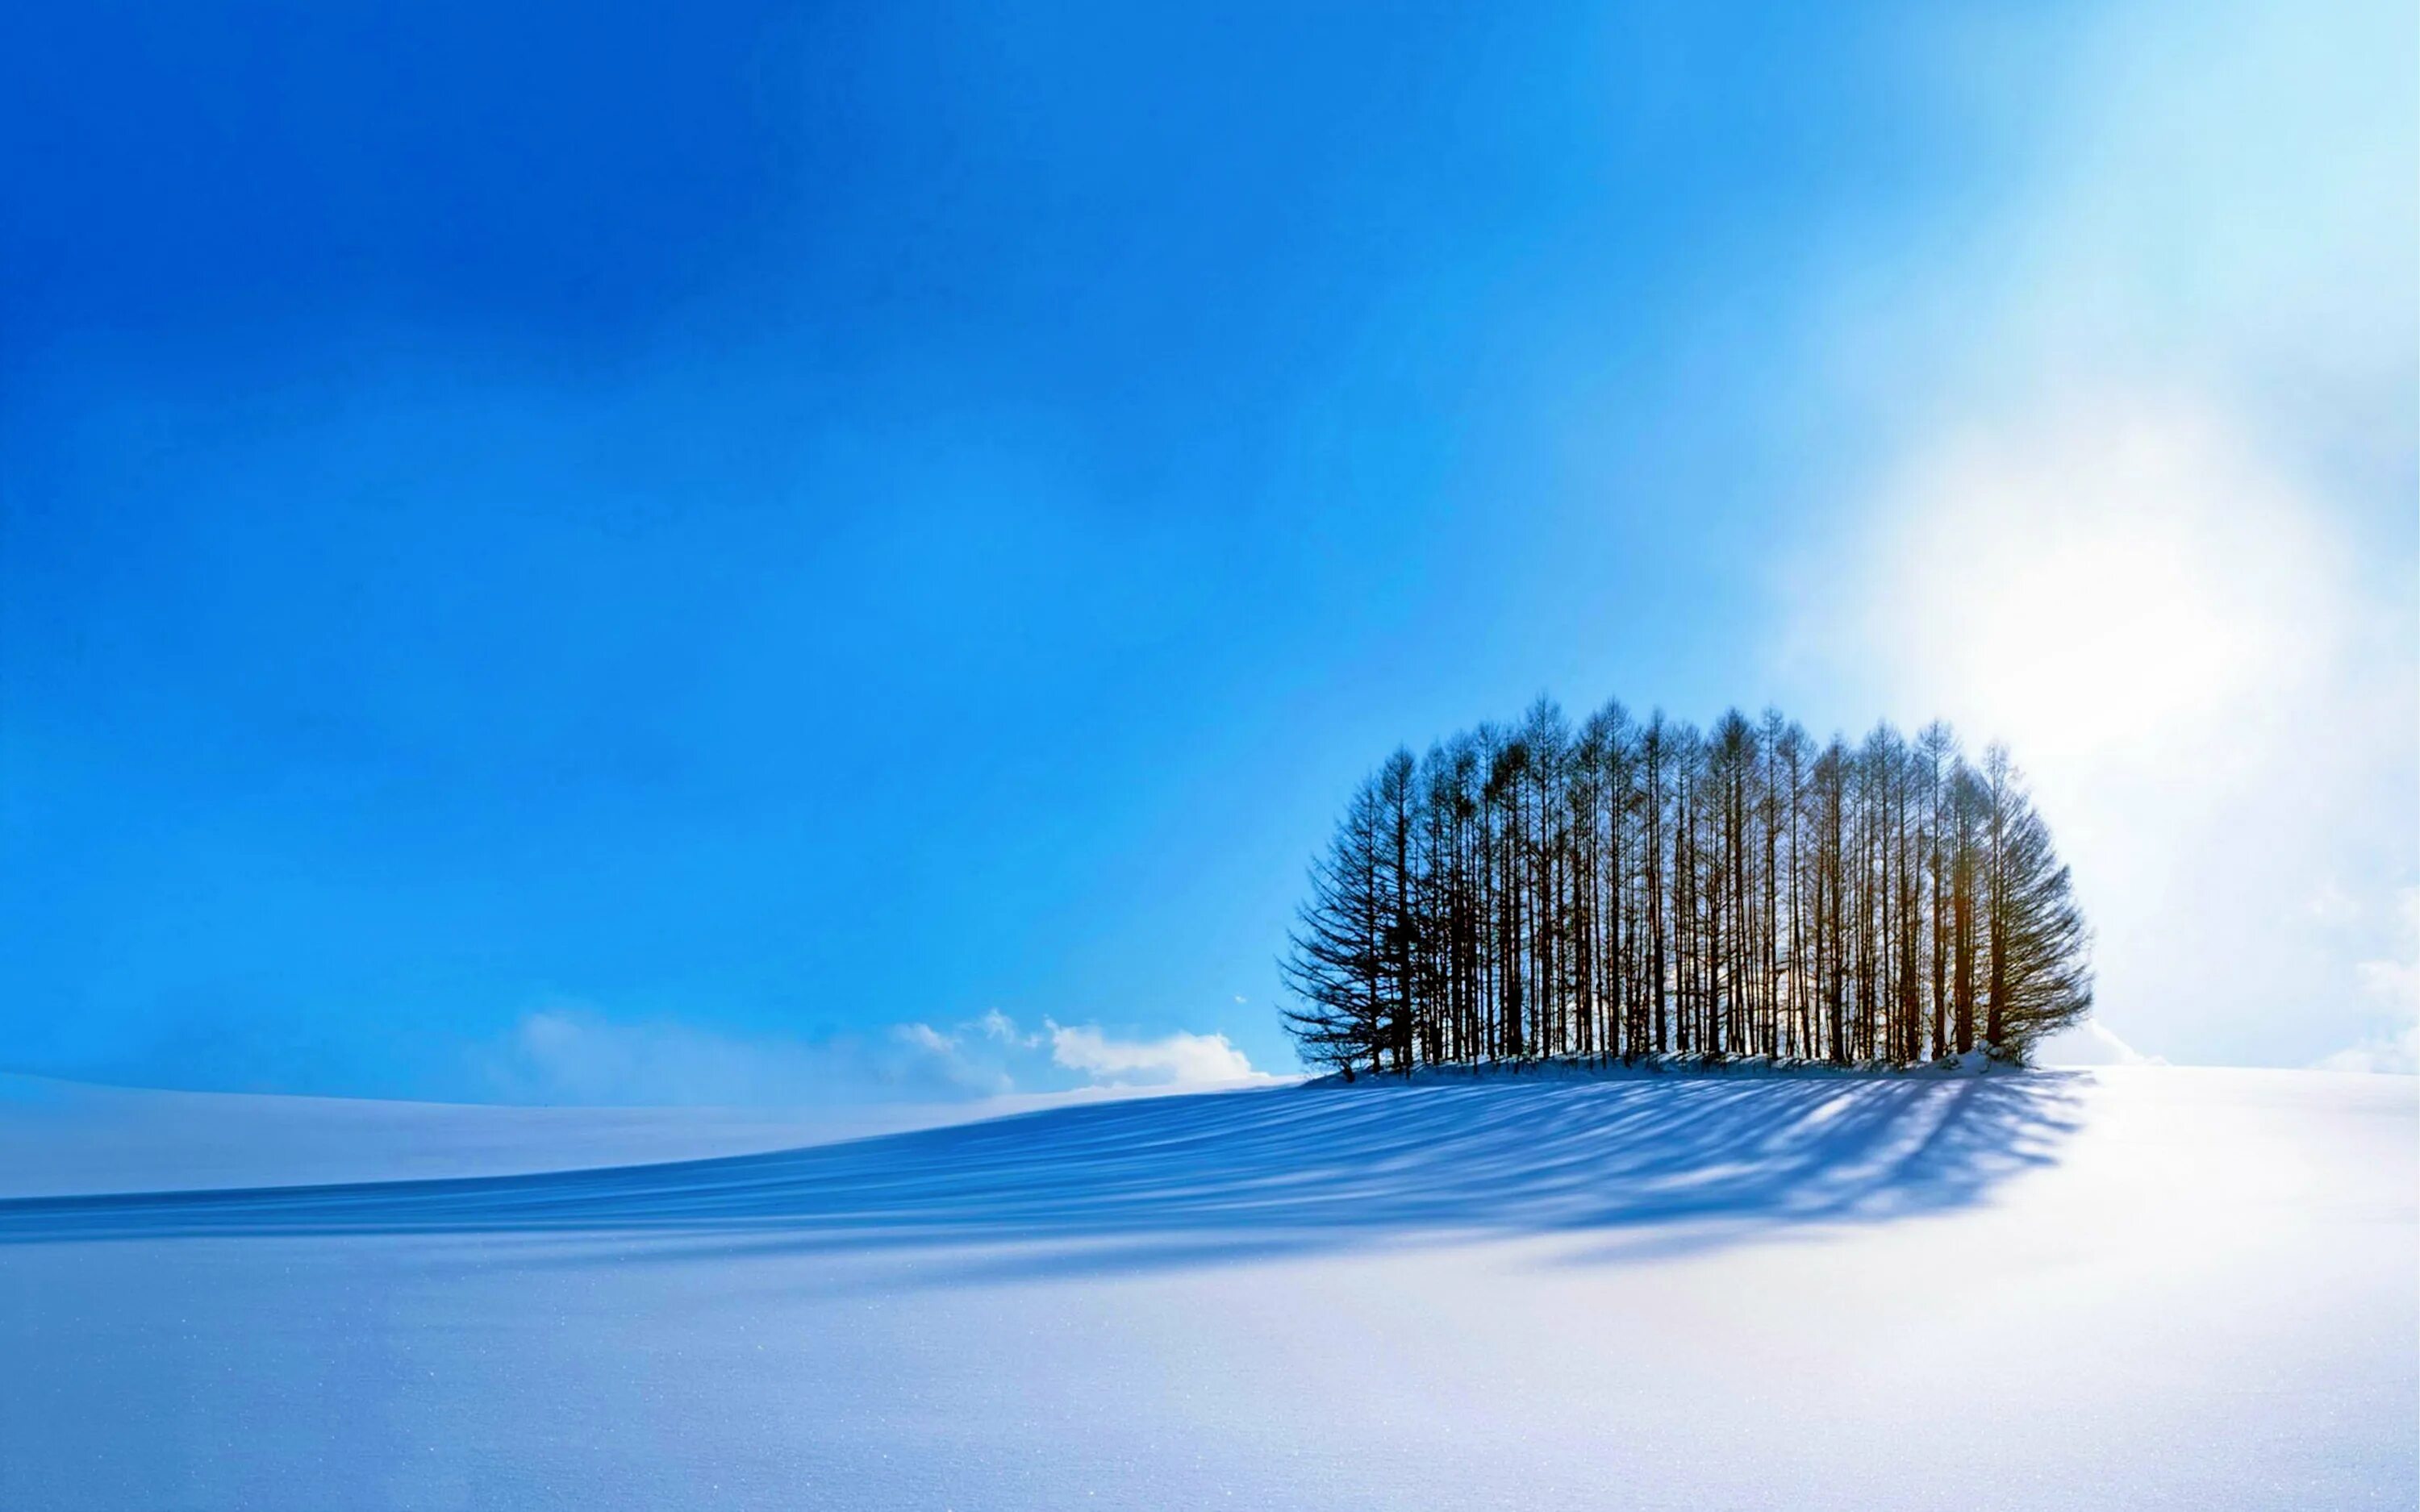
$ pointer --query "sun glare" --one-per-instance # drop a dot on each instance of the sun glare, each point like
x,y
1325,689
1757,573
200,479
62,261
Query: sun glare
x,y
2112,594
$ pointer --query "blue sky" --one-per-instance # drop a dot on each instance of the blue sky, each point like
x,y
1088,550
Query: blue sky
x,y
592,555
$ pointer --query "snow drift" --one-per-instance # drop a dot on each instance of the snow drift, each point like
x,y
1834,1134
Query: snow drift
x,y
2139,1287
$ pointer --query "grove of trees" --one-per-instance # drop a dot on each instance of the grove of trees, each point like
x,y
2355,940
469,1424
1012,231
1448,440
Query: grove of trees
x,y
1633,887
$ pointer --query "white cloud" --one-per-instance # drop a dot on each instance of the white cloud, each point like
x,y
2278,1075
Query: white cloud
x,y
568,1053
999,1027
2394,986
2398,1056
1178,1059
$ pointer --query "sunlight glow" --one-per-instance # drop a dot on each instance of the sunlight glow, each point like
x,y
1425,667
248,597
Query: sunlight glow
x,y
2175,636
2111,593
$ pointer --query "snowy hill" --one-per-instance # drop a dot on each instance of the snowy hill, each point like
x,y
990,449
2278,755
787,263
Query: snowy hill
x,y
60,1138
2132,1286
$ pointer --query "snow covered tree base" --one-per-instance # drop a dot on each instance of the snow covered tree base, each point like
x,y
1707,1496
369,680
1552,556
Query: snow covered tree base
x,y
1981,1060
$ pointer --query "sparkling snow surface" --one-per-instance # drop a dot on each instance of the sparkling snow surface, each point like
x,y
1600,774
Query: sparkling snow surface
x,y
2136,1286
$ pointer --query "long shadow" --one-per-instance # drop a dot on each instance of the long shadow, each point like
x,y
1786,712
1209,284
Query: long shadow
x,y
1178,1180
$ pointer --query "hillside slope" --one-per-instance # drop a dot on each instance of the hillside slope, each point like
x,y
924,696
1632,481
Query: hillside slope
x,y
2143,1287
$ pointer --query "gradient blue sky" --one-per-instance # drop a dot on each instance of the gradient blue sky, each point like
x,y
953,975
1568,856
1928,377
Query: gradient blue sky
x,y
646,553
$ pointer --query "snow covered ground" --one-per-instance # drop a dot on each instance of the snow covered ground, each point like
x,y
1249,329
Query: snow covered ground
x,y
62,1137
2135,1287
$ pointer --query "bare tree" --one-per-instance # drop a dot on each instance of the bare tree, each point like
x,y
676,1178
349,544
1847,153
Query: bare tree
x,y
1627,889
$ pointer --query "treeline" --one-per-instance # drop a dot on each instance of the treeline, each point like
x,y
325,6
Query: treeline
x,y
1630,889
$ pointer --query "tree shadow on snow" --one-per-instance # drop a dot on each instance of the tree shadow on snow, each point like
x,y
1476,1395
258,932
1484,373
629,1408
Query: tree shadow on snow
x,y
1653,1164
